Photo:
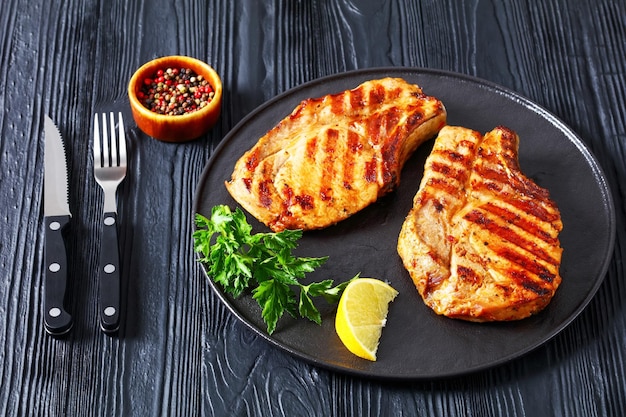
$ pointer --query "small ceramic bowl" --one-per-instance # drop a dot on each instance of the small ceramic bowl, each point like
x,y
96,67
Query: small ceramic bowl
x,y
175,128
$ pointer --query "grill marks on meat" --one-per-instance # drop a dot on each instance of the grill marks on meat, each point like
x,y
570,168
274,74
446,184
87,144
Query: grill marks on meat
x,y
334,155
481,241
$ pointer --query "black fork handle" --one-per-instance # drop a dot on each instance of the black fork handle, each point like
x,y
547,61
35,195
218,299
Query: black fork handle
x,y
109,275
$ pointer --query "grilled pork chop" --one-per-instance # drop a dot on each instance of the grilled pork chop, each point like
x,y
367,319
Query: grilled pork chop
x,y
481,241
334,155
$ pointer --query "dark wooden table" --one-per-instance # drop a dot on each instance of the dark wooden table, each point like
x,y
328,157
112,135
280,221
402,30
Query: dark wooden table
x,y
180,352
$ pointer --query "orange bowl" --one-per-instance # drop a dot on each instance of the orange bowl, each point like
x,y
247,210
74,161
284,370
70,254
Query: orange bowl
x,y
175,128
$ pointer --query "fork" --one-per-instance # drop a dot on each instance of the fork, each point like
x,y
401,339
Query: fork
x,y
109,155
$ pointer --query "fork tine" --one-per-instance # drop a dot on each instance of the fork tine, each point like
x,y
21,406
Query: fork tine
x,y
97,150
105,142
122,138
114,156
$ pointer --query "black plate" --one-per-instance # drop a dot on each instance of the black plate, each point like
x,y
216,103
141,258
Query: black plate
x,y
417,343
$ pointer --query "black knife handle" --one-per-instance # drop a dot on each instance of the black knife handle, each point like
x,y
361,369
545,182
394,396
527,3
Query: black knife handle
x,y
109,275
57,320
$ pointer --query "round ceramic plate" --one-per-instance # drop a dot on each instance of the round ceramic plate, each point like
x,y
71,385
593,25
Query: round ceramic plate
x,y
416,343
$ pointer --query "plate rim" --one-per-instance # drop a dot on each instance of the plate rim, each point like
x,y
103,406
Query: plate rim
x,y
377,72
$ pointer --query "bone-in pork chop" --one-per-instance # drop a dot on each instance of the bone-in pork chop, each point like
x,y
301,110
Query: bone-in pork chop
x,y
334,155
481,241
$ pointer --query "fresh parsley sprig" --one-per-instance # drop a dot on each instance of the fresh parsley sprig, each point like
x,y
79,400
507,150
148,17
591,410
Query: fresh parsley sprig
x,y
238,259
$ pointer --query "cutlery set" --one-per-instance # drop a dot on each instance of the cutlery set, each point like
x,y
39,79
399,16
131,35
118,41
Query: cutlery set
x,y
109,153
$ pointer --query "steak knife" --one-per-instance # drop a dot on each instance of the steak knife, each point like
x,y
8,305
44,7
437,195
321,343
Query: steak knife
x,y
57,320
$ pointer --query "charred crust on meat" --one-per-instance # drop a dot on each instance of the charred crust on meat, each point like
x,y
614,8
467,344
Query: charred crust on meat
x,y
442,168
304,201
442,184
311,148
468,274
247,182
252,160
376,95
547,276
536,288
356,98
433,280
454,156
265,193
354,144
326,194
371,171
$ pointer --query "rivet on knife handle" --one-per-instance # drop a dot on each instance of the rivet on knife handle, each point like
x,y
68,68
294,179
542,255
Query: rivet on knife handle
x,y
109,275
57,320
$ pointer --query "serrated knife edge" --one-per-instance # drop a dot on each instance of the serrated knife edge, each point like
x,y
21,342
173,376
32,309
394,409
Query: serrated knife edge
x,y
56,200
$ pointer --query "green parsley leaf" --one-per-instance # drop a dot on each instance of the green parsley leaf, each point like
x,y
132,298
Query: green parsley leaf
x,y
275,298
239,260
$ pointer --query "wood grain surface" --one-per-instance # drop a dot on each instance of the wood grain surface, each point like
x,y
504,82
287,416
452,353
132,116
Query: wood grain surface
x,y
180,352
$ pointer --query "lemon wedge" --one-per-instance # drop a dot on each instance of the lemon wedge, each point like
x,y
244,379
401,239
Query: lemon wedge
x,y
362,314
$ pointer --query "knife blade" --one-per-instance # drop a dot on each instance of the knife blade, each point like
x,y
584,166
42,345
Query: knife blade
x,y
57,320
